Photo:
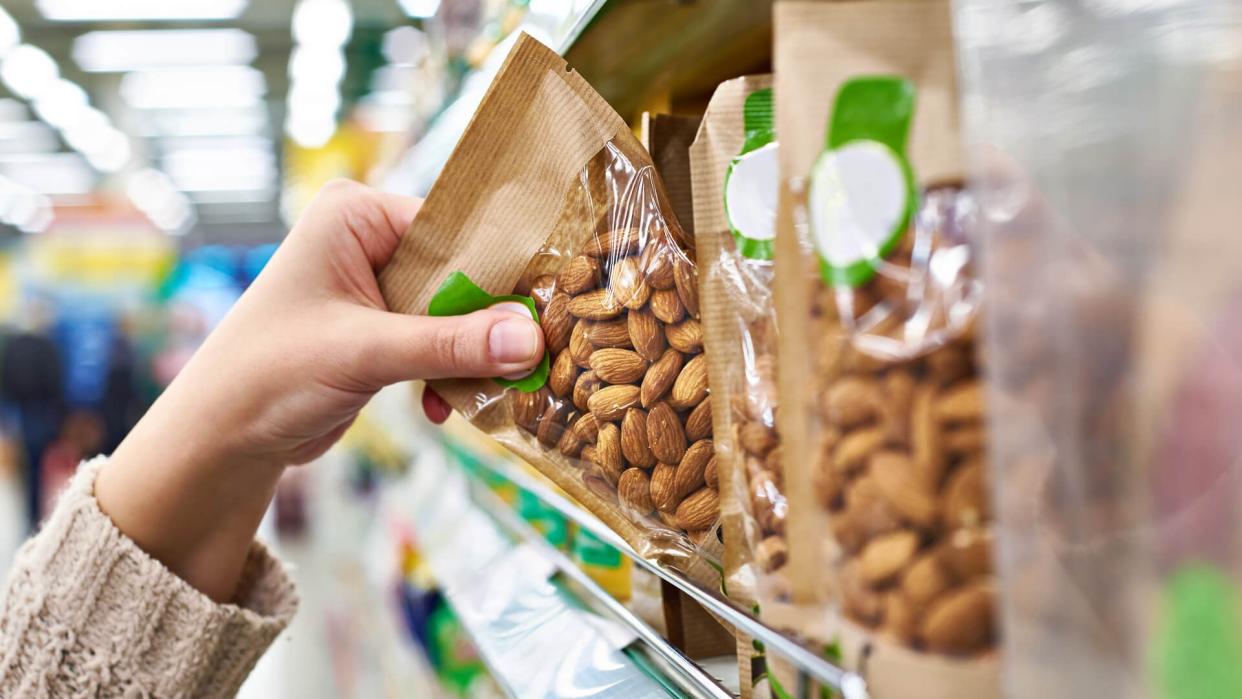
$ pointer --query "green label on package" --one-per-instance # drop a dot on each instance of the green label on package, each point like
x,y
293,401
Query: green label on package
x,y
751,181
458,295
861,194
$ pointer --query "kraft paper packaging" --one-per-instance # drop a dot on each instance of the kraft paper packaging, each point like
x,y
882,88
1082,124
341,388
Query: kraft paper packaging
x,y
549,197
882,421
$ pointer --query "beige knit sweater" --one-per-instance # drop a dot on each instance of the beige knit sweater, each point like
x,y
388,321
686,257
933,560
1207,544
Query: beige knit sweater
x,y
86,613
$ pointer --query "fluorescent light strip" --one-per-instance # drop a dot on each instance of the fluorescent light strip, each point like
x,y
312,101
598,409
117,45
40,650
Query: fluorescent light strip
x,y
132,10
120,51
10,33
228,86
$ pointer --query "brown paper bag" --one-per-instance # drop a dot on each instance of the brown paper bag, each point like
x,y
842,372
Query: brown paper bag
x,y
548,194
889,526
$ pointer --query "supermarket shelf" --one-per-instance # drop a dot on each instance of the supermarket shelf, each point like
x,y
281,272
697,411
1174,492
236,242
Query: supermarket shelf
x,y
524,603
810,666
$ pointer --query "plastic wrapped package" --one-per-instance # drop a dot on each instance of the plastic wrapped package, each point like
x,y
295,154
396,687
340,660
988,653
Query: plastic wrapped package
x,y
882,412
736,144
733,237
1104,143
549,198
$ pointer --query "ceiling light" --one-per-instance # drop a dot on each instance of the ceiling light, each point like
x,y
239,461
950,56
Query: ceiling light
x,y
27,70
12,110
61,103
320,64
120,51
322,22
311,132
113,10
87,126
220,166
49,173
313,100
420,8
10,34
231,86
27,137
155,195
206,122
110,152
405,46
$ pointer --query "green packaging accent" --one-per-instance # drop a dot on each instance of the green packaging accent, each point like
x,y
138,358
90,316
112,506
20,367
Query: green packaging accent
x,y
545,519
458,295
861,194
593,551
759,126
1198,647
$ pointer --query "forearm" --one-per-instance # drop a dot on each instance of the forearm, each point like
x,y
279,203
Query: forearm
x,y
184,496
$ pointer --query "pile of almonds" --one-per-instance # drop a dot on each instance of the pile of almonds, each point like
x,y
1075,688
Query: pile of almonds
x,y
901,470
627,395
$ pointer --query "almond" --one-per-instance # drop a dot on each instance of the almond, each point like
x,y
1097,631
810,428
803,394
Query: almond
x,y
663,492
698,511
608,452
665,436
949,364
900,621
645,334
925,438
668,519
528,407
685,337
617,243
588,453
964,440
634,439
691,471
570,444
588,383
634,490
898,484
771,462
851,401
579,348
541,291
578,275
710,476
691,384
627,283
657,264
961,403
886,556
665,306
617,366
686,279
967,553
557,323
861,602
767,503
924,581
853,449
610,402
563,374
594,305
757,438
964,495
961,621
661,377
587,428
606,333
771,554
699,422
894,408
552,424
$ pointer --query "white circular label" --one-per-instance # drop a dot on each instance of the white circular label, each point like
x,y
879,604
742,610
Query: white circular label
x,y
750,194
857,197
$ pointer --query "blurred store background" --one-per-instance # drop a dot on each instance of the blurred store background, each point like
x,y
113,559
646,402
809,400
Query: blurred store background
x,y
152,155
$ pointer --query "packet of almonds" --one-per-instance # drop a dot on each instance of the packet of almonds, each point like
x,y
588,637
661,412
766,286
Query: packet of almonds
x,y
889,524
733,163
549,199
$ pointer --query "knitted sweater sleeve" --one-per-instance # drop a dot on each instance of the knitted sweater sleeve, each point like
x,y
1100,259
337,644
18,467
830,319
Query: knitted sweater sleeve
x,y
86,613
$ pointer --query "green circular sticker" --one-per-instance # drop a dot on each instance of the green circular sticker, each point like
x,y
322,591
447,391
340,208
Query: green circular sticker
x,y
860,200
750,200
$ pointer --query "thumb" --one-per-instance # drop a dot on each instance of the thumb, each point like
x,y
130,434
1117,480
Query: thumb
x,y
499,341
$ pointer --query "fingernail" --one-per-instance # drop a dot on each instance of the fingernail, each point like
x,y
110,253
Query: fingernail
x,y
512,307
513,341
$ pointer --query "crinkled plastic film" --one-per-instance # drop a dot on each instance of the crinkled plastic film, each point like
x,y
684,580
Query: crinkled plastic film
x,y
889,530
550,195
1104,142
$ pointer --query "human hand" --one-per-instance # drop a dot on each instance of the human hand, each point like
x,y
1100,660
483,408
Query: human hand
x,y
288,369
